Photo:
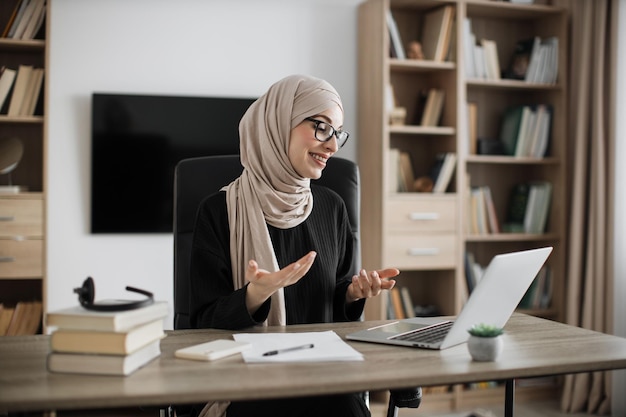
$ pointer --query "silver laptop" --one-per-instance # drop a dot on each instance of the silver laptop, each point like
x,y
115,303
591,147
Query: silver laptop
x,y
493,300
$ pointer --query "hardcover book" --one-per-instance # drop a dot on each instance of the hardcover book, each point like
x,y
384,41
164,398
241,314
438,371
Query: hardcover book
x,y
436,33
79,318
83,363
112,343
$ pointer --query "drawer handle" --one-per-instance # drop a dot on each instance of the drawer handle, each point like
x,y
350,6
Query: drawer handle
x,y
423,216
7,259
7,218
423,251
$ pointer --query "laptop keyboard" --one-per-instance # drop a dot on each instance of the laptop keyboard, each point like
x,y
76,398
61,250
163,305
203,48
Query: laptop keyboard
x,y
431,334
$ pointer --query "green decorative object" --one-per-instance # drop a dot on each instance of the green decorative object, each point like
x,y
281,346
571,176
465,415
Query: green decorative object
x,y
485,343
485,330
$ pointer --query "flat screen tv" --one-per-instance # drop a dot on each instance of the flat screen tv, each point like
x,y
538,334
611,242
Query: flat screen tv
x,y
137,140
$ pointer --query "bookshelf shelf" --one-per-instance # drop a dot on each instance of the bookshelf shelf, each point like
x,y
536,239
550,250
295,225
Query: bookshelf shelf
x,y
511,85
512,237
19,44
442,282
422,130
21,119
414,65
22,237
504,10
488,159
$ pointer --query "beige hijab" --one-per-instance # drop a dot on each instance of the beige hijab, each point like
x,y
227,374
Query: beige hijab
x,y
269,190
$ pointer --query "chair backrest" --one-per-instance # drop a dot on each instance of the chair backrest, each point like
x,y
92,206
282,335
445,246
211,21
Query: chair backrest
x,y
196,178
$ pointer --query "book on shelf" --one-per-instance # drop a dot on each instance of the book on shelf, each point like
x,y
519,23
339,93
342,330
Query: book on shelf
x,y
469,40
407,177
480,70
538,140
85,363
472,127
491,61
7,27
19,89
525,130
396,302
472,218
394,184
26,318
470,280
438,389
433,107
21,21
407,302
522,140
538,207
35,21
6,312
490,208
444,177
16,17
543,61
484,219
510,127
518,201
79,318
473,271
32,93
529,207
105,342
479,223
436,33
7,77
396,47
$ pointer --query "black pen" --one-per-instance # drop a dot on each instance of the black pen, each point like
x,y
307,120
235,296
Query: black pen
x,y
290,349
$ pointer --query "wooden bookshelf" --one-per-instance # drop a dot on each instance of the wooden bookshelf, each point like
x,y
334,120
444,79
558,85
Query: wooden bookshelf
x,y
412,230
22,213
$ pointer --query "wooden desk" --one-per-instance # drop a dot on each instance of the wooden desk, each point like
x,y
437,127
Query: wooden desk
x,y
533,347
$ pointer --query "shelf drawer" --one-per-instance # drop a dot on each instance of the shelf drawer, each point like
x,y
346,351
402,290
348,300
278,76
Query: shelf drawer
x,y
21,217
427,215
413,252
21,258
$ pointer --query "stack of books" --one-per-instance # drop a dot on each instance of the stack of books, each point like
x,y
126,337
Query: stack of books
x,y
525,130
105,343
26,20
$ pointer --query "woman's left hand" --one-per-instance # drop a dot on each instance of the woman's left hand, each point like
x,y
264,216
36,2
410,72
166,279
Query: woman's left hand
x,y
370,284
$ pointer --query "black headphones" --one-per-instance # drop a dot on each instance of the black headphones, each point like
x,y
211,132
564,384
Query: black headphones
x,y
87,293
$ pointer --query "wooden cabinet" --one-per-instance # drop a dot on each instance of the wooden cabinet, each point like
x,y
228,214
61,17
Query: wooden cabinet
x,y
22,206
427,235
21,233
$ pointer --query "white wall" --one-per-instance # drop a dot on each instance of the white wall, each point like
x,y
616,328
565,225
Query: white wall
x,y
185,47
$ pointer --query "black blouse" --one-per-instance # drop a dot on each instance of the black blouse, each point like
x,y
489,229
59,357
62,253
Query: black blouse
x,y
319,297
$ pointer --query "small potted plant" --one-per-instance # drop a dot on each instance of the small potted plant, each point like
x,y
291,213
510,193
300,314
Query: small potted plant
x,y
485,342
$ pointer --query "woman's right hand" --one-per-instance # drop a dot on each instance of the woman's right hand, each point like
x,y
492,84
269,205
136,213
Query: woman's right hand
x,y
262,283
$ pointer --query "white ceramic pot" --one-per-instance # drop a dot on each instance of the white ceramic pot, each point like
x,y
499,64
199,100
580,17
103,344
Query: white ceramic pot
x,y
485,349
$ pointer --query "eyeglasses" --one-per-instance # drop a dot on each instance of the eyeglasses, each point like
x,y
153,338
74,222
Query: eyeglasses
x,y
324,132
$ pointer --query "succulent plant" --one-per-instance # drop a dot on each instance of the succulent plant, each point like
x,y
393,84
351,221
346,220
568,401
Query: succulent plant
x,y
485,330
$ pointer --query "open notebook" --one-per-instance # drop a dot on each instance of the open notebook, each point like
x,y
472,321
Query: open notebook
x,y
499,291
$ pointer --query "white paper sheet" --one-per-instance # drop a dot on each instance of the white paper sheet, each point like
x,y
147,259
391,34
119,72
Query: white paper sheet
x,y
327,346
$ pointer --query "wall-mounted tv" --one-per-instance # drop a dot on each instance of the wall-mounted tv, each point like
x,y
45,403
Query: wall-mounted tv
x,y
137,140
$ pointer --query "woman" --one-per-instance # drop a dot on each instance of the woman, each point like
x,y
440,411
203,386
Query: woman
x,y
272,249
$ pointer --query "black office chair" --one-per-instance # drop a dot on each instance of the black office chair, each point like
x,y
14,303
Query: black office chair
x,y
196,178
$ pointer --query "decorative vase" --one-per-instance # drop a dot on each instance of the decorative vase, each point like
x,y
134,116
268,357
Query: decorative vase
x,y
485,349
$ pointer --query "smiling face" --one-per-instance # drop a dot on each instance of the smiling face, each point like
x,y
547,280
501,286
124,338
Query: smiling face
x,y
308,155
